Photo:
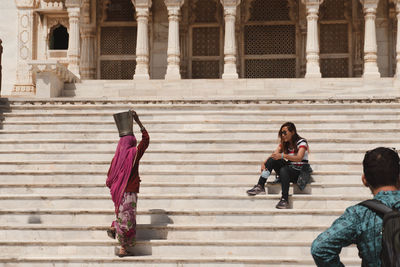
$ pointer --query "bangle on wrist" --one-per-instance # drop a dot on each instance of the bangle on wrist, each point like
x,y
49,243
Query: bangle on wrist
x,y
282,155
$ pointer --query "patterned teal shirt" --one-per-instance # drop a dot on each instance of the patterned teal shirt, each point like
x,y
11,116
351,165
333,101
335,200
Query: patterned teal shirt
x,y
358,225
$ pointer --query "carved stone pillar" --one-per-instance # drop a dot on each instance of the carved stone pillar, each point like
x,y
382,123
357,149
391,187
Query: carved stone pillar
x,y
88,64
173,70
370,45
397,3
142,46
24,80
73,8
312,49
88,35
230,70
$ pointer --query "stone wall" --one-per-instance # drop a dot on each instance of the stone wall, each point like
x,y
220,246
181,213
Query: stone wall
x,y
8,30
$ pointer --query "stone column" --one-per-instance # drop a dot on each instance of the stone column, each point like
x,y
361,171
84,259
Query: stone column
x,y
173,70
312,48
397,75
142,45
88,64
73,53
230,71
24,80
88,34
370,46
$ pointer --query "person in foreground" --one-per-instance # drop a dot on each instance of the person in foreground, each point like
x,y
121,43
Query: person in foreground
x,y
289,160
124,181
359,225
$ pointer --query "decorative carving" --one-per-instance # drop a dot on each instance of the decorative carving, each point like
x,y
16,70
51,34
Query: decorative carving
x,y
52,4
26,3
271,10
208,69
206,41
117,69
270,39
118,40
272,68
335,67
334,38
54,21
24,79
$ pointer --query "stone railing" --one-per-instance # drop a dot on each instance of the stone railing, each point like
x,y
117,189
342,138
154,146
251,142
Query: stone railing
x,y
49,77
1,52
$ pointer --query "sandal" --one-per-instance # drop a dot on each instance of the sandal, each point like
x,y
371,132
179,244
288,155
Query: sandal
x,y
111,232
121,255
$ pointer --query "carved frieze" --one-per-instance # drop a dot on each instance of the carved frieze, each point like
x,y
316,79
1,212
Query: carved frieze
x,y
26,3
52,4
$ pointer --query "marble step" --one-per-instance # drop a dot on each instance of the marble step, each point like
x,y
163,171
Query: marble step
x,y
168,261
202,105
181,116
199,216
232,231
168,166
200,145
189,177
199,126
86,247
179,188
157,154
197,135
183,201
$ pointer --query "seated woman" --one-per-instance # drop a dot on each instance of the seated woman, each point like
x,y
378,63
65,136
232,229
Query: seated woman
x,y
289,160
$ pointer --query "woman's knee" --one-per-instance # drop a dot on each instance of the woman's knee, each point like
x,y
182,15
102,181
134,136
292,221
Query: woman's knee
x,y
284,174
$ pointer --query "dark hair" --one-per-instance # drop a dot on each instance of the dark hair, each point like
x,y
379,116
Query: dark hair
x,y
295,138
381,167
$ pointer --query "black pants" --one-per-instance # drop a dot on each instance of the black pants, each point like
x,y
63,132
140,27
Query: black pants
x,y
285,172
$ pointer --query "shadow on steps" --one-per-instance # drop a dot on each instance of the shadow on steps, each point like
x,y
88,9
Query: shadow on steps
x,y
156,230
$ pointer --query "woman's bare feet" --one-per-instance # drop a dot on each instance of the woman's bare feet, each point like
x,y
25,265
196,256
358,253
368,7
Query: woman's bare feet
x,y
122,252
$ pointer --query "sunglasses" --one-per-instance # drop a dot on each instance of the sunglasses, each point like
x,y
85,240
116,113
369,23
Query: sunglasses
x,y
284,133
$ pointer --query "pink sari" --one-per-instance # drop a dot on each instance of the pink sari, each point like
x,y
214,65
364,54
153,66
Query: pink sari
x,y
121,168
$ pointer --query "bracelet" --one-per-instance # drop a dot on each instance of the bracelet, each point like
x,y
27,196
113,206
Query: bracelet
x,y
142,129
282,155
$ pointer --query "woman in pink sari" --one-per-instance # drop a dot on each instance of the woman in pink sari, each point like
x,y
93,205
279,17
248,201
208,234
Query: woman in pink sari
x,y
124,181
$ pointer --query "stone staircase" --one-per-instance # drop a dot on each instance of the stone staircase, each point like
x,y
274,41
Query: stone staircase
x,y
203,155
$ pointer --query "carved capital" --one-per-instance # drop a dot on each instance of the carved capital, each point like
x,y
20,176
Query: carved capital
x,y
312,2
141,3
227,3
174,3
230,10
369,4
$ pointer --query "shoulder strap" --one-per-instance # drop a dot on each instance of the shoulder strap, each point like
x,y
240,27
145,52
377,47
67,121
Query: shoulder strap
x,y
376,206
